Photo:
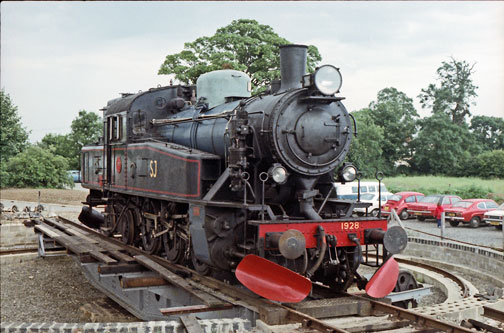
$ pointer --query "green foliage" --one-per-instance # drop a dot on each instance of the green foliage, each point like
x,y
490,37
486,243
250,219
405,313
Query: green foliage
x,y
36,167
466,188
59,144
394,112
454,93
243,45
14,137
488,131
441,145
490,164
366,148
87,128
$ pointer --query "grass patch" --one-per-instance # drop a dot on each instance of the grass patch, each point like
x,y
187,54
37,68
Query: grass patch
x,y
464,187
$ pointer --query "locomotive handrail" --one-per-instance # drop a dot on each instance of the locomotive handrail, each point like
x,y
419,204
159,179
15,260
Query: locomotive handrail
x,y
355,123
161,122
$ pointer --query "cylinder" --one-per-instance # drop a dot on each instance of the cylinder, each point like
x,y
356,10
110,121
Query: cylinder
x,y
91,217
292,66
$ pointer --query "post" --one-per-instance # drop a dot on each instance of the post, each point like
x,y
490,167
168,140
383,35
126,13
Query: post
x,y
442,225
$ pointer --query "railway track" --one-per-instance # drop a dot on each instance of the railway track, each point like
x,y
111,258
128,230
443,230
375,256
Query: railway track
x,y
112,257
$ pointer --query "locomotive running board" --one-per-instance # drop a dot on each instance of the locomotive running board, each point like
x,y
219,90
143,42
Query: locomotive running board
x,y
272,281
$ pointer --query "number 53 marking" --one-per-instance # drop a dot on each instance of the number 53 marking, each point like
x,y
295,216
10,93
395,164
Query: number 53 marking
x,y
153,168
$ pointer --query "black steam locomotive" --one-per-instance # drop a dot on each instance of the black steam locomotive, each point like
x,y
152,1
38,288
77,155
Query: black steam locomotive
x,y
209,174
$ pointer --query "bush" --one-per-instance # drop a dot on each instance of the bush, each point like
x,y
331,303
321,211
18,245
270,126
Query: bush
x,y
490,164
36,167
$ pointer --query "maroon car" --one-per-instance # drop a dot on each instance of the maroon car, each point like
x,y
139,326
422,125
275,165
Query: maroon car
x,y
469,211
426,207
401,202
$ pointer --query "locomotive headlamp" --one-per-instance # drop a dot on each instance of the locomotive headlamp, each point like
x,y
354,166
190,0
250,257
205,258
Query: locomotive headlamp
x,y
278,173
347,173
327,79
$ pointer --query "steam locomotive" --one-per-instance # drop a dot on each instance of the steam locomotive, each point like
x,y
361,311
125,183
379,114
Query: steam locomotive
x,y
209,174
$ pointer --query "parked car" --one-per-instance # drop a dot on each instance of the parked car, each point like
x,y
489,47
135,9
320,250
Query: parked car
x,y
495,217
75,174
427,205
469,211
373,199
401,202
349,191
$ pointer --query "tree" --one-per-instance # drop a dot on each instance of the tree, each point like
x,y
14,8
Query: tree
x,y
243,45
366,148
455,91
441,146
394,112
37,167
87,128
489,132
58,144
14,137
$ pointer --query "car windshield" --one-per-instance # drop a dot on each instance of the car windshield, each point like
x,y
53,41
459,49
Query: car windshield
x,y
430,199
463,204
367,196
395,197
501,207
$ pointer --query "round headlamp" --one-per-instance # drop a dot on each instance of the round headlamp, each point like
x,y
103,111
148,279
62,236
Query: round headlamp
x,y
349,173
328,79
278,173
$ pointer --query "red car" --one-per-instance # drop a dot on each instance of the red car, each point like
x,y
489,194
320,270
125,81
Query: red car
x,y
469,211
401,202
426,207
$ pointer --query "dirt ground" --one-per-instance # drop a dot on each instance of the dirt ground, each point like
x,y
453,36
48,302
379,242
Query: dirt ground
x,y
56,196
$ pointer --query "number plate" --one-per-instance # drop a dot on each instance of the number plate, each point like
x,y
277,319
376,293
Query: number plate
x,y
350,226
451,214
418,213
386,208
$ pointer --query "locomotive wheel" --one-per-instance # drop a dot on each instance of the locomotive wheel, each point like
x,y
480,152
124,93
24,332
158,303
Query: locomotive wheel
x,y
173,246
199,266
127,225
148,227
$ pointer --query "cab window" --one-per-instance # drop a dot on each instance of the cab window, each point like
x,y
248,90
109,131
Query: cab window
x,y
490,205
116,128
454,200
481,205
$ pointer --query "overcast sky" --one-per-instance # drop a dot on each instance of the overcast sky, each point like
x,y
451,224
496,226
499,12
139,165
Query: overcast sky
x,y
60,57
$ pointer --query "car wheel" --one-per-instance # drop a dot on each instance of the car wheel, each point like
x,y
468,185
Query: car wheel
x,y
404,214
475,221
454,223
374,212
421,218
498,227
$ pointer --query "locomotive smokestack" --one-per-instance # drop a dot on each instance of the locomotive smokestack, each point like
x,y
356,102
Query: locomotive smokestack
x,y
292,66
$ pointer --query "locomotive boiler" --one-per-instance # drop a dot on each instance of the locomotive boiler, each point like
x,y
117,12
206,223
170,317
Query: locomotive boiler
x,y
210,175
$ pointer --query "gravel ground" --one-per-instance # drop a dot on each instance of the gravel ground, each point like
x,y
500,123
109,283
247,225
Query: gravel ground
x,y
484,235
46,290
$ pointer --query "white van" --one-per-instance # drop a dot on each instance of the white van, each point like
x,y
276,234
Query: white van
x,y
349,191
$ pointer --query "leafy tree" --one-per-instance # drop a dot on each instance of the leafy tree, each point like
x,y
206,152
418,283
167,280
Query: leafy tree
x,y
87,128
489,131
366,148
489,164
441,146
14,137
59,144
454,93
394,112
244,45
37,167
